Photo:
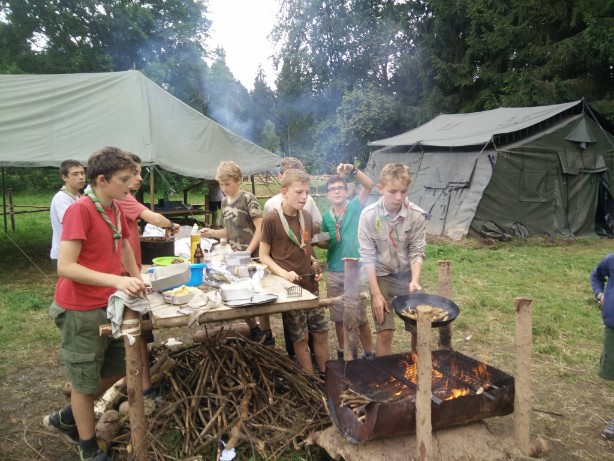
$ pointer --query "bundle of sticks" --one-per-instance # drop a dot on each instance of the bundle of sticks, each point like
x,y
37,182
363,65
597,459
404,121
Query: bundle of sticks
x,y
355,402
234,390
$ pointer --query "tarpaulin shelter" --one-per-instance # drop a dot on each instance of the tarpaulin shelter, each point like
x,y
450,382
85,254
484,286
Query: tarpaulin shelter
x,y
548,170
45,119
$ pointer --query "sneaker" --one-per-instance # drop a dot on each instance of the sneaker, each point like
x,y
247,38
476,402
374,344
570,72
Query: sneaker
x,y
54,423
256,334
608,432
269,339
368,356
98,455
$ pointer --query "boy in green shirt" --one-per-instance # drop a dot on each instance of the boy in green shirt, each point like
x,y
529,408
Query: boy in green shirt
x,y
341,222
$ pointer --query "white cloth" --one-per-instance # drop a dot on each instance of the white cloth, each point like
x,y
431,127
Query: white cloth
x,y
272,203
59,204
115,311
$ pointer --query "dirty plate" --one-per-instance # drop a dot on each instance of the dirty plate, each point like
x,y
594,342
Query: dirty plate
x,y
256,299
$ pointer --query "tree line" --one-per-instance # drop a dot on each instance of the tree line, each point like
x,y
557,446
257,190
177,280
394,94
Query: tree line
x,y
348,72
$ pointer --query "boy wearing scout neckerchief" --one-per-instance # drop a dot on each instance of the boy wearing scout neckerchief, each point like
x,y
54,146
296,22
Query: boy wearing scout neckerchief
x,y
392,238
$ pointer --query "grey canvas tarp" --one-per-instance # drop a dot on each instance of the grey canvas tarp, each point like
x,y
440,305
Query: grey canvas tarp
x,y
549,170
45,119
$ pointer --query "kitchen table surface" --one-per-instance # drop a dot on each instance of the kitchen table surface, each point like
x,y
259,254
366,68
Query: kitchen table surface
x,y
164,315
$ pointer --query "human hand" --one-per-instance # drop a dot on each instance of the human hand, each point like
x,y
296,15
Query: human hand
x,y
291,276
379,306
599,298
415,287
344,169
132,286
205,232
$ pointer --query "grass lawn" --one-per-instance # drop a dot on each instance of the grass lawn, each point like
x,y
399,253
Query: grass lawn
x,y
570,402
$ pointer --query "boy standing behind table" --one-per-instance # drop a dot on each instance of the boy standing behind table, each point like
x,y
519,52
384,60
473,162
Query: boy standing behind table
x,y
392,237
341,222
93,250
288,163
73,175
285,248
242,226
134,210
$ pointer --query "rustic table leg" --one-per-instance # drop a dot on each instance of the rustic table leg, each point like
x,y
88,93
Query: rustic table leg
x,y
445,290
522,395
424,427
351,303
134,368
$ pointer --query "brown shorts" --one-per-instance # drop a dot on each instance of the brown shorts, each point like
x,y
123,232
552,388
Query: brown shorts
x,y
299,323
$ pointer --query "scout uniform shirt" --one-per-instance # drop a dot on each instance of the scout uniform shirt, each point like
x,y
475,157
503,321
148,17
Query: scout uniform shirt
x,y
392,245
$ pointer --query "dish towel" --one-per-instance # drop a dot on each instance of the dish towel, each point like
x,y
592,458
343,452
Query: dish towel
x,y
115,313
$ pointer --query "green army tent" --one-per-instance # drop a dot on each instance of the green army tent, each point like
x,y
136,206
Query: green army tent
x,y
548,170
45,119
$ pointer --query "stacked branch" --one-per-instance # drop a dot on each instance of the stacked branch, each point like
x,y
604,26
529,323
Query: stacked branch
x,y
234,390
355,402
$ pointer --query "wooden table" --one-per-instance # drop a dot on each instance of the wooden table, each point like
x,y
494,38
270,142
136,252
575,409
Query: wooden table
x,y
164,315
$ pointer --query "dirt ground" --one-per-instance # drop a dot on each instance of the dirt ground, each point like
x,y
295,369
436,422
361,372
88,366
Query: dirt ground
x,y
570,419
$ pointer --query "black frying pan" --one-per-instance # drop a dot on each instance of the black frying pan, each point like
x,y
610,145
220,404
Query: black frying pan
x,y
405,302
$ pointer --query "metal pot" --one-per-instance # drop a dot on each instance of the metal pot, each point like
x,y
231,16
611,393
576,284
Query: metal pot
x,y
404,303
154,247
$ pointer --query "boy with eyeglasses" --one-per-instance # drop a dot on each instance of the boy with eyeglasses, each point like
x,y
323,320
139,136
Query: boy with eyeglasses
x,y
341,222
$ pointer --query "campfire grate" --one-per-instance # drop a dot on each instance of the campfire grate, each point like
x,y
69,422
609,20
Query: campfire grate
x,y
464,390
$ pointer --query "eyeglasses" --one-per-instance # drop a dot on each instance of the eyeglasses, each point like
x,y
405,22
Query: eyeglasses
x,y
337,189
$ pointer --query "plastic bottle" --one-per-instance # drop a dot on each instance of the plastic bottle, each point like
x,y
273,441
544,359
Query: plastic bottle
x,y
224,248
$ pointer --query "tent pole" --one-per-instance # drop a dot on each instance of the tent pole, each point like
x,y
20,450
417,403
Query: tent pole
x,y
152,172
4,201
253,185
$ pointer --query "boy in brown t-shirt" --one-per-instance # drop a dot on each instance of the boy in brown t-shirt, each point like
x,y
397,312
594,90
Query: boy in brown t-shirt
x,y
285,247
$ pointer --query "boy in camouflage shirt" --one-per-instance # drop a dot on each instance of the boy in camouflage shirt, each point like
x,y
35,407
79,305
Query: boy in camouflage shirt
x,y
242,222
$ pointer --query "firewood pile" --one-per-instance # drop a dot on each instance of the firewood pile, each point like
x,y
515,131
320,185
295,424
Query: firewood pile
x,y
233,390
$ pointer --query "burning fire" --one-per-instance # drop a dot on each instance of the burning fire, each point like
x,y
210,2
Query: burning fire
x,y
450,385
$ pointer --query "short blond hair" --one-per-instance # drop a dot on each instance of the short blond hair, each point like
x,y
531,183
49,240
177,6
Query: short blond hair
x,y
290,163
395,171
294,175
228,170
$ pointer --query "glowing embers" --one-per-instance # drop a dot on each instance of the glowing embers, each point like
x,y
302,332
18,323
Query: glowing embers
x,y
374,399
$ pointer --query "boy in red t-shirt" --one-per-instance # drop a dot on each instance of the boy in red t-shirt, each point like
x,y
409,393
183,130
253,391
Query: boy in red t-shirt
x,y
93,250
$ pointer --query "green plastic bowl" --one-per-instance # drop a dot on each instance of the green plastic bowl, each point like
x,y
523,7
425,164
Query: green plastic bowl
x,y
167,260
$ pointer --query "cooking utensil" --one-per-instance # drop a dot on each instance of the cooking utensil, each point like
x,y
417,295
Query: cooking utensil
x,y
404,303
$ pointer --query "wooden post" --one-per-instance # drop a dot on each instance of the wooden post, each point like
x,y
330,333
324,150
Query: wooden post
x,y
11,209
134,369
424,393
445,289
4,200
522,395
351,308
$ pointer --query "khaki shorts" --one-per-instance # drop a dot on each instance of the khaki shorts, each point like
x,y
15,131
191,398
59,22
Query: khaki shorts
x,y
88,357
335,287
391,286
299,323
606,363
